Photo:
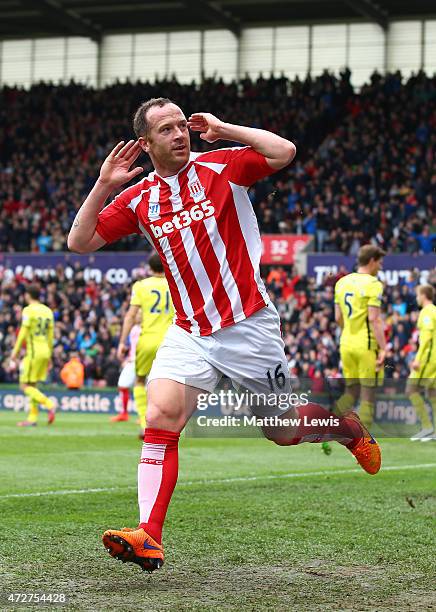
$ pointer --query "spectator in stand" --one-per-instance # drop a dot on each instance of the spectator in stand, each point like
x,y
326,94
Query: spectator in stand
x,y
305,308
73,373
364,172
425,240
44,241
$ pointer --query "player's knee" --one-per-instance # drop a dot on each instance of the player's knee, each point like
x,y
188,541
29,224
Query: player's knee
x,y
161,416
411,388
283,441
279,437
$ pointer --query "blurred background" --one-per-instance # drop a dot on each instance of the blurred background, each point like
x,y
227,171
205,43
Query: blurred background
x,y
352,83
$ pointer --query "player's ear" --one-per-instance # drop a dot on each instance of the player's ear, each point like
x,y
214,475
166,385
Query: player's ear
x,y
143,143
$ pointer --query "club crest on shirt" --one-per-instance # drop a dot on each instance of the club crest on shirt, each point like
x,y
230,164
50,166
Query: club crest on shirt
x,y
196,190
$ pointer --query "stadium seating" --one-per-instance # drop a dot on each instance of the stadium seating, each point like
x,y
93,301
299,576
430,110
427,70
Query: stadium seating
x,y
364,171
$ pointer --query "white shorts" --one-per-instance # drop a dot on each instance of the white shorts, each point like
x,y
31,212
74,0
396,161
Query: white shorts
x,y
250,352
127,376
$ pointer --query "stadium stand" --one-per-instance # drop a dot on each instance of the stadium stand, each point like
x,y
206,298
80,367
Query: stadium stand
x,y
364,171
88,319
364,168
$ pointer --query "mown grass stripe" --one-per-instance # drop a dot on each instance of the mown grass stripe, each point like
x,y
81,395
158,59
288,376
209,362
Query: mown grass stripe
x,y
188,483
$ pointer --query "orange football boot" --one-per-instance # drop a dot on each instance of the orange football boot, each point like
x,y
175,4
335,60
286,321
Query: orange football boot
x,y
367,451
51,416
134,546
120,417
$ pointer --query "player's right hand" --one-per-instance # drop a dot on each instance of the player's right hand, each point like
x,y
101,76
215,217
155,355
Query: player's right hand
x,y
12,365
115,170
121,351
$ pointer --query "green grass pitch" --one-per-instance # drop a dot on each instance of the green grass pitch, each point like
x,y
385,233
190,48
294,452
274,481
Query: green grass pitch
x,y
251,526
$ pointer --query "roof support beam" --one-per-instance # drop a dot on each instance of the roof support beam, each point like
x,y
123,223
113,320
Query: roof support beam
x,y
53,9
370,10
215,14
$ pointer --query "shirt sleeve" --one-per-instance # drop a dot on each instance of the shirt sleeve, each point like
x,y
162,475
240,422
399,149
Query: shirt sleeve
x,y
135,299
425,326
116,220
25,319
246,166
426,322
375,294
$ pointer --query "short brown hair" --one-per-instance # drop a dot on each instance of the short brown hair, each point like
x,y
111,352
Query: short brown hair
x,y
427,291
140,123
368,252
155,263
34,291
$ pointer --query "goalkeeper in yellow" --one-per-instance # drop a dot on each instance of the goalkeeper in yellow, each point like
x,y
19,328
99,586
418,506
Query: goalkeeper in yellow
x,y
423,367
358,298
37,327
152,296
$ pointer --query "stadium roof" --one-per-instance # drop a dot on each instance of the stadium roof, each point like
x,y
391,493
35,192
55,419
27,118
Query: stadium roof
x,y
92,18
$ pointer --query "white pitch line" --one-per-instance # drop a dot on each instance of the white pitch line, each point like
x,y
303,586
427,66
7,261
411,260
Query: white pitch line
x,y
189,483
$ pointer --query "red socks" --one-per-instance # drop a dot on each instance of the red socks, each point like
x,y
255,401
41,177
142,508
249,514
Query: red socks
x,y
157,477
124,392
326,426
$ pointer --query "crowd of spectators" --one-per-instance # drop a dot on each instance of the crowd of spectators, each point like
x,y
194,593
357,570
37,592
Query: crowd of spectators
x,y
365,166
88,320
365,172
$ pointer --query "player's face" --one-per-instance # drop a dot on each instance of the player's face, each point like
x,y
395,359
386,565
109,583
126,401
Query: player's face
x,y
376,266
167,142
419,298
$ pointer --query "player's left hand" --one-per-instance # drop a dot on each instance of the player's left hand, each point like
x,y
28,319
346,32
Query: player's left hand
x,y
209,126
380,360
12,365
415,365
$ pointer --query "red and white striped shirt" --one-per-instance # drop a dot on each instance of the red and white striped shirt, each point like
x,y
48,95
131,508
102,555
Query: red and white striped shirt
x,y
202,224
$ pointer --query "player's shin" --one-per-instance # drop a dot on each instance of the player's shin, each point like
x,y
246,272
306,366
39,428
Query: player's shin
x,y
345,404
157,477
36,395
316,424
33,412
432,400
140,397
418,403
366,412
124,394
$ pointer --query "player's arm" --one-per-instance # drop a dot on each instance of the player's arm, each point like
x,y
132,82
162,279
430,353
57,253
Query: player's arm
x,y
21,338
278,151
114,172
377,327
50,337
425,339
128,323
338,316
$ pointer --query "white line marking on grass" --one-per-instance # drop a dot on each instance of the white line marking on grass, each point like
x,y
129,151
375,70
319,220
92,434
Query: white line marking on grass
x,y
190,483
390,468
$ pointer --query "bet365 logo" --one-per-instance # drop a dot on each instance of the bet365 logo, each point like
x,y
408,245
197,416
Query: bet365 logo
x,y
183,219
